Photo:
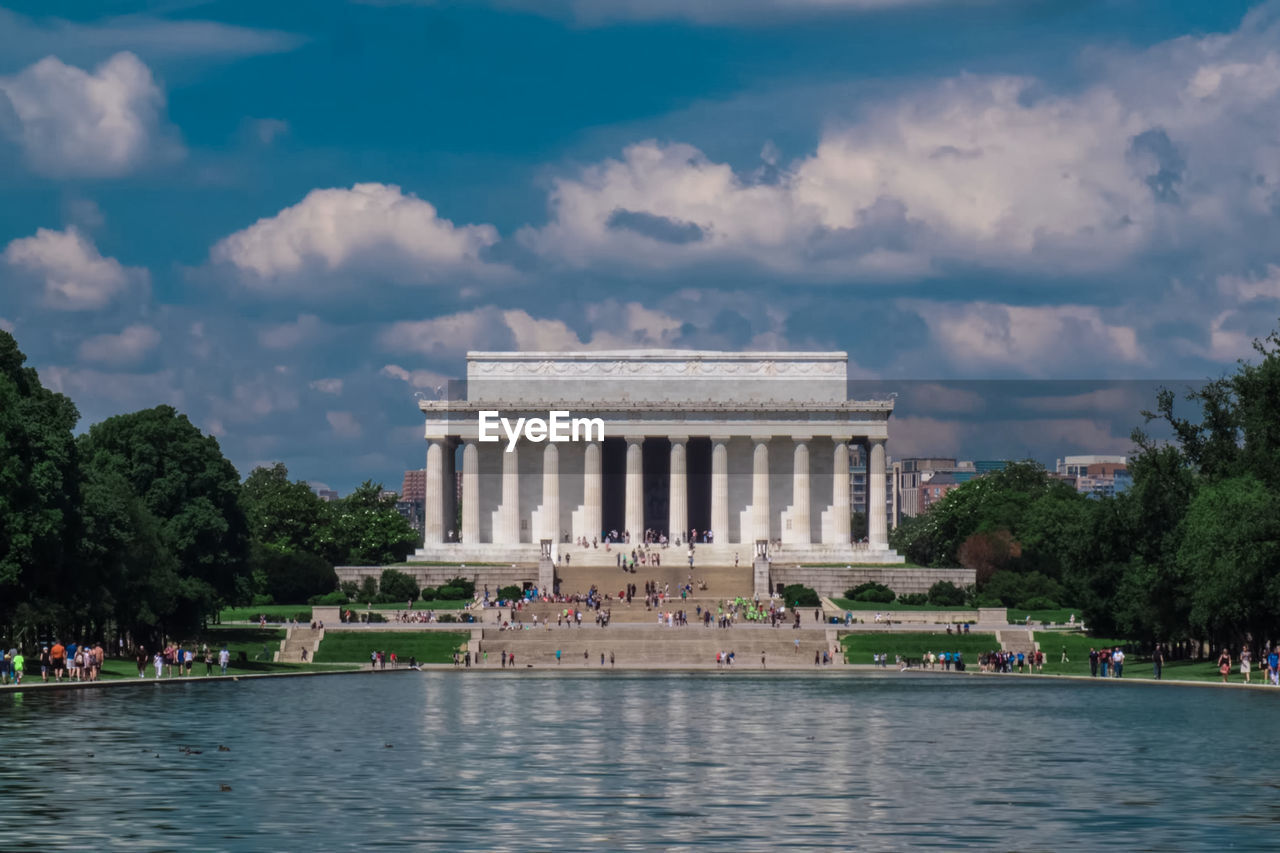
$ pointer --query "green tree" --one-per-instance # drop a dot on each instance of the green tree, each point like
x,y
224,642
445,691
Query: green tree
x,y
282,515
190,492
39,490
364,529
292,576
1231,555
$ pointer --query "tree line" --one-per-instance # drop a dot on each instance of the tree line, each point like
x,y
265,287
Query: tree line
x,y
1189,554
141,527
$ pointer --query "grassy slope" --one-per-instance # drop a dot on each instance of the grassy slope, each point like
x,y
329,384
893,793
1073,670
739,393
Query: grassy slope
x,y
355,646
850,604
858,648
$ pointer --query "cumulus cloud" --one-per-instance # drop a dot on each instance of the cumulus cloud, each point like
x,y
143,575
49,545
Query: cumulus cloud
x,y
614,326
344,424
284,336
75,276
713,12
1252,288
982,334
1171,147
6,325
23,39
74,123
369,228
127,347
326,386
415,378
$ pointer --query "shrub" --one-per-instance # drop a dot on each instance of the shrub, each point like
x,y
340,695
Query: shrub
x,y
368,589
466,588
373,616
1038,602
946,594
450,592
428,593
510,593
261,599
914,598
395,586
986,599
871,592
337,597
350,589
799,595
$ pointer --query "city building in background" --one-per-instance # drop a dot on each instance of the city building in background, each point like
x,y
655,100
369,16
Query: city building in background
x,y
1096,475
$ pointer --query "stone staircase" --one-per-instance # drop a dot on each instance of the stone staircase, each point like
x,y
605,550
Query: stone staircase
x,y
651,646
1017,640
297,639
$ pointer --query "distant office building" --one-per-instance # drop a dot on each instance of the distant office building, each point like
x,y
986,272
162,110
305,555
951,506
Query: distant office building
x,y
935,486
415,485
911,475
327,495
1096,475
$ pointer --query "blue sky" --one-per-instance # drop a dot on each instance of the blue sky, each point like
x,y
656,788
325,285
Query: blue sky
x,y
286,219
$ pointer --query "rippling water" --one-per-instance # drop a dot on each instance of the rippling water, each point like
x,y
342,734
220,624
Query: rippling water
x,y
623,761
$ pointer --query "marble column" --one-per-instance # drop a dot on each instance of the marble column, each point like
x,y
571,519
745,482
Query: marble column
x,y
508,532
433,501
633,516
720,489
592,492
760,490
678,506
800,529
470,492
877,528
840,492
550,493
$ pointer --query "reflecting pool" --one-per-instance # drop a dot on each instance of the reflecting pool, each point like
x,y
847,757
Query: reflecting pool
x,y
509,761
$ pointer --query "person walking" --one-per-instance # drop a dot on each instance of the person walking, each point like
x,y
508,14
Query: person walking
x,y
1224,665
1246,663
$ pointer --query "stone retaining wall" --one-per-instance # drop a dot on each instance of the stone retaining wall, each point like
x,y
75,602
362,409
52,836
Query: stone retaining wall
x,y
494,576
834,581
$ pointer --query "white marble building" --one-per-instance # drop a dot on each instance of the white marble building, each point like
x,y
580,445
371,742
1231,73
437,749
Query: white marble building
x,y
751,445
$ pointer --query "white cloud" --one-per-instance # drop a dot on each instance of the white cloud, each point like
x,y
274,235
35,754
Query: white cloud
x,y
370,227
23,39
74,274
614,326
1171,147
284,336
344,424
326,386
415,378
1252,288
713,12
127,347
1030,338
6,325
70,122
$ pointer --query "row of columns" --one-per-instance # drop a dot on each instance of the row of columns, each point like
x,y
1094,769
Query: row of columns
x,y
507,527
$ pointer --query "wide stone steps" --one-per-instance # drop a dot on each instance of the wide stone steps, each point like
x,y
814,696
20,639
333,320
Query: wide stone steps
x,y
654,646
295,641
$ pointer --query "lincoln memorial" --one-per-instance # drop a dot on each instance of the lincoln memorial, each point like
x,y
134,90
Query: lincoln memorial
x,y
738,448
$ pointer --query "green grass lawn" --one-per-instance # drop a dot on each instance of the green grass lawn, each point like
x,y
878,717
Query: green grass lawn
x,y
355,646
1057,617
858,648
850,604
859,566
273,612
302,612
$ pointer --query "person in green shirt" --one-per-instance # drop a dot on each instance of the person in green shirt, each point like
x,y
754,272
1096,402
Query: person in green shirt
x,y
19,663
